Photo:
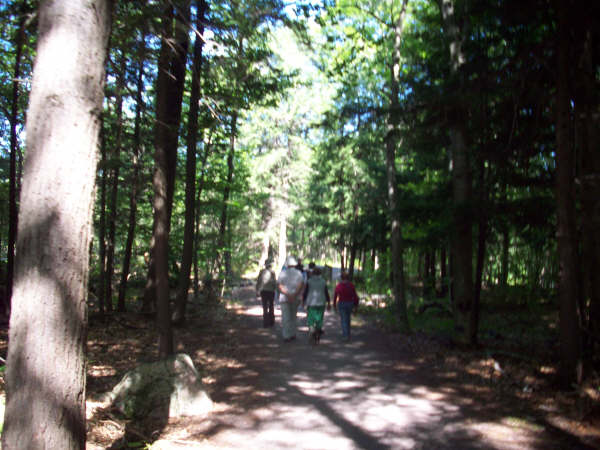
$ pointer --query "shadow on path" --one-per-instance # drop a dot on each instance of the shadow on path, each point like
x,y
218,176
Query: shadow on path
x,y
357,395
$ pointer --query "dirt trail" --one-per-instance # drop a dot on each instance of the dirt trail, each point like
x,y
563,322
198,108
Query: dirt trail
x,y
357,395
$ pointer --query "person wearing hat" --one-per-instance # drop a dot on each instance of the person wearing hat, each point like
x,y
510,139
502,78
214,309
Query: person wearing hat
x,y
265,287
291,285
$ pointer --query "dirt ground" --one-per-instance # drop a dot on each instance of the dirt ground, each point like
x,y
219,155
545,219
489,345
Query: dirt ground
x,y
378,391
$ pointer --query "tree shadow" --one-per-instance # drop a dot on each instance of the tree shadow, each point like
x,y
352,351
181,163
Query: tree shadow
x,y
362,394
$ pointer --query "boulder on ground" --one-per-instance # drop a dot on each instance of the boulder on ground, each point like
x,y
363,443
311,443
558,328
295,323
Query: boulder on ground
x,y
171,386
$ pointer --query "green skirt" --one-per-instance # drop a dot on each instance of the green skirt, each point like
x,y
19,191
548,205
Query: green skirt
x,y
314,317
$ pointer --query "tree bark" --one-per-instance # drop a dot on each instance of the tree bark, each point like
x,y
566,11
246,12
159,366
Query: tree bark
x,y
101,288
207,146
46,362
115,164
391,142
282,246
171,75
226,193
135,176
588,116
570,340
481,247
190,185
443,272
462,245
14,150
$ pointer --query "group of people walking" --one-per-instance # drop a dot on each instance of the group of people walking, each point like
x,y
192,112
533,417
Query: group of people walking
x,y
294,286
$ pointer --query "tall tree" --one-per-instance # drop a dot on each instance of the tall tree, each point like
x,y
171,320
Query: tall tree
x,y
190,168
115,170
46,364
391,142
137,152
462,245
570,339
169,95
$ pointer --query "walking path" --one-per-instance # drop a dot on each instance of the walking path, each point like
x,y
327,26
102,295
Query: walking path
x,y
357,395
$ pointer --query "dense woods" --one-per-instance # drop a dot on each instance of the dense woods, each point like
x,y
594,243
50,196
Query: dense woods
x,y
443,152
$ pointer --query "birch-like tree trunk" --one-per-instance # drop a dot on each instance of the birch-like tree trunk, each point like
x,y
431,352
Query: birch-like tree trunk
x,y
46,360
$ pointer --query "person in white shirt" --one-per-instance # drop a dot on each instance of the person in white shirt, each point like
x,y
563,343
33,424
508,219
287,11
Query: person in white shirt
x,y
291,285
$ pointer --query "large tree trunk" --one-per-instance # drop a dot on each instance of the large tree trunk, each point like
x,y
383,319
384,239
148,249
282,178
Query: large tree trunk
x,y
570,341
137,145
171,75
46,362
588,115
392,139
462,245
169,96
14,150
190,185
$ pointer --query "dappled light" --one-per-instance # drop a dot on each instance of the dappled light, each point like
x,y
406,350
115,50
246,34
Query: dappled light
x,y
366,393
421,177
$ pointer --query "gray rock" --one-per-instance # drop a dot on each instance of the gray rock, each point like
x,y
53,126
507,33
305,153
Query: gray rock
x,y
171,386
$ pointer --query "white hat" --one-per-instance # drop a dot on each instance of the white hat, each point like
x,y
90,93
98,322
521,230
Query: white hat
x,y
291,261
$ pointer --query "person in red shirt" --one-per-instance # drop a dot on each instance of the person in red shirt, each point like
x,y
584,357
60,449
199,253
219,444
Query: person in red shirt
x,y
345,300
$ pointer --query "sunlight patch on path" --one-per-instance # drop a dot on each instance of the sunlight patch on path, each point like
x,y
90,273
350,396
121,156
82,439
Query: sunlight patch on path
x,y
346,396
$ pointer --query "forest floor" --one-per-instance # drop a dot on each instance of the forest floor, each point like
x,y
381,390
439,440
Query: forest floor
x,y
378,391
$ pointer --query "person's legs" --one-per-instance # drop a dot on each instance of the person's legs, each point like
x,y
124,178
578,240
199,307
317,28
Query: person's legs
x,y
293,319
345,309
268,312
271,313
288,320
265,305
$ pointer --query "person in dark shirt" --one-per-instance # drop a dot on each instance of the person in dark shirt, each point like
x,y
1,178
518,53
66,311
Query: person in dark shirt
x,y
266,284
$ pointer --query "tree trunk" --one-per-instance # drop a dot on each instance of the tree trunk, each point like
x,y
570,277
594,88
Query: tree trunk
x,y
190,184
443,272
137,145
226,192
114,195
46,361
101,288
570,341
391,142
207,146
462,246
481,246
14,150
282,247
587,102
171,74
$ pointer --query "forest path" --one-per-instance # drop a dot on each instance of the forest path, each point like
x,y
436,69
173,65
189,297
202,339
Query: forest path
x,y
357,395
